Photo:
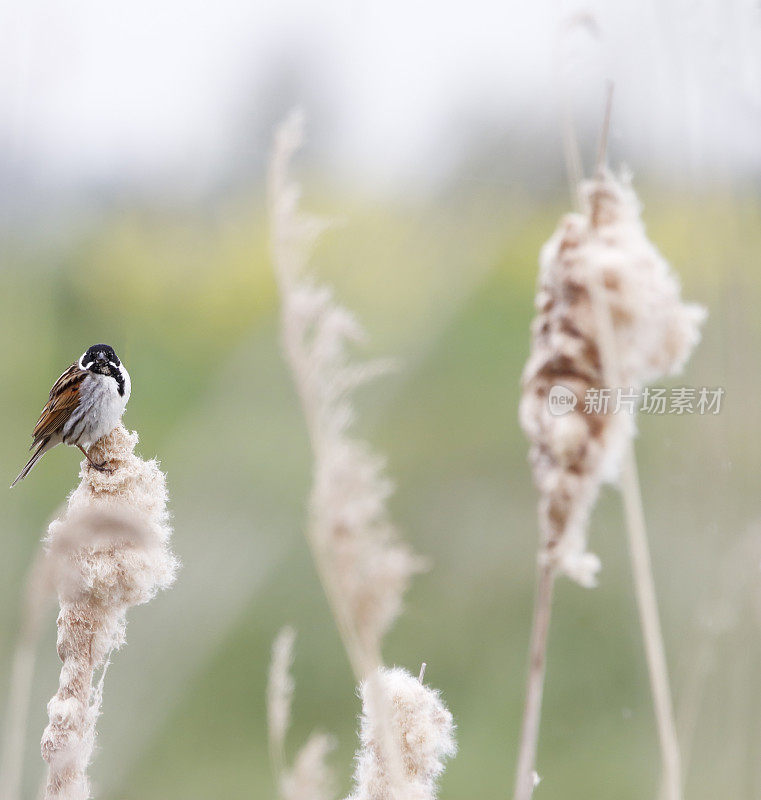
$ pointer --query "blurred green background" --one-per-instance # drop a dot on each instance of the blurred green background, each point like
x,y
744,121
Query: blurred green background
x,y
187,298
133,145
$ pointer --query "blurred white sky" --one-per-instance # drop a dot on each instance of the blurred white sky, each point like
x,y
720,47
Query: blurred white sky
x,y
154,89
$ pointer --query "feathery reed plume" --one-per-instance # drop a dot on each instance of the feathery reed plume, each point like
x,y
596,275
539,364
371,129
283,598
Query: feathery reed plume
x,y
111,547
364,567
309,778
609,316
422,730
279,696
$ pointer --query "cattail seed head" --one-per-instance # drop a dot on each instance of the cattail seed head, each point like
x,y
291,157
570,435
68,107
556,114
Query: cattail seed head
x,y
111,552
422,730
599,259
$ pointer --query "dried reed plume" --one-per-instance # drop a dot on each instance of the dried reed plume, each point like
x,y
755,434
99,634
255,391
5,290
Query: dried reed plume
x,y
600,257
419,728
422,730
609,314
111,548
279,697
309,778
364,567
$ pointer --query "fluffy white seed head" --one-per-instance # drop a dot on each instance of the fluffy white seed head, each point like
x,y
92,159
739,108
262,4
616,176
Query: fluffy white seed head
x,y
598,259
421,728
109,551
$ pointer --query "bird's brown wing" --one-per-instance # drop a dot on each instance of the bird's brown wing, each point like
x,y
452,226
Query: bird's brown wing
x,y
64,398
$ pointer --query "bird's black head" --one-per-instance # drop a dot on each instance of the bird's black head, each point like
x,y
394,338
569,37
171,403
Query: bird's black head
x,y
101,359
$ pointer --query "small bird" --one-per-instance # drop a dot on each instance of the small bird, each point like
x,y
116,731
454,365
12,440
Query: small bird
x,y
85,404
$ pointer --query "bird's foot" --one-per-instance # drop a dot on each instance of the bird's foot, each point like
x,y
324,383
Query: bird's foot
x,y
102,467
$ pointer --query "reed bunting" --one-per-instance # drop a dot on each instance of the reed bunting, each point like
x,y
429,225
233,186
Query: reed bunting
x,y
85,404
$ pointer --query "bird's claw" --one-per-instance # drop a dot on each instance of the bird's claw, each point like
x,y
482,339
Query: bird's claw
x,y
102,467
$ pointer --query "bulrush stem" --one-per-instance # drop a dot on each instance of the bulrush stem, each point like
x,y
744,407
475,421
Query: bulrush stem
x,y
639,550
644,587
540,627
642,570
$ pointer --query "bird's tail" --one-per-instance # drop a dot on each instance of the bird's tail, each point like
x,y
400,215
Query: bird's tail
x,y
38,453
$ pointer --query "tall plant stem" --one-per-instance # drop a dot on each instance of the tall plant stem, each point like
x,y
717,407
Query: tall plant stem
x,y
639,550
532,712
644,587
642,568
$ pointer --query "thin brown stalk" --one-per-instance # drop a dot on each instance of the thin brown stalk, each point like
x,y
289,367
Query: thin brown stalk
x,y
602,147
639,550
609,316
642,573
571,151
525,778
644,585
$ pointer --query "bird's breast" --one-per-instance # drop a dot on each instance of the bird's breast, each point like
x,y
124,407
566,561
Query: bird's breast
x,y
99,411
